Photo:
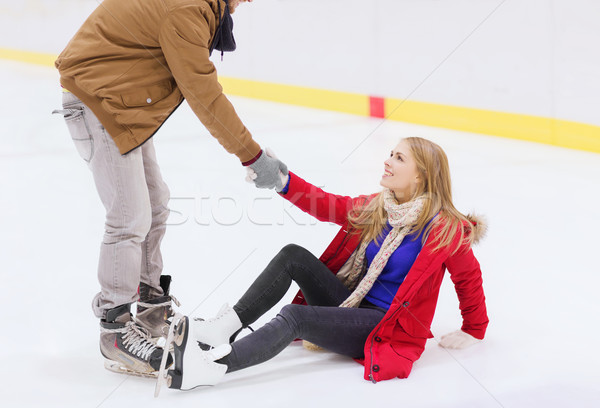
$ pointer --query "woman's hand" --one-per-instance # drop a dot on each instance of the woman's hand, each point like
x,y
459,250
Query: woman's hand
x,y
457,340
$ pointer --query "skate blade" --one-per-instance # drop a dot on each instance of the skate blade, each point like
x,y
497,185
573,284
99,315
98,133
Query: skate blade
x,y
118,368
162,372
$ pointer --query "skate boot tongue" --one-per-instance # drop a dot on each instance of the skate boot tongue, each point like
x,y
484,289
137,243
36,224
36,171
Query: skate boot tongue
x,y
155,309
120,314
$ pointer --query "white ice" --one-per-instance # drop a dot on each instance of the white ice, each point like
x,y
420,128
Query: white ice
x,y
539,259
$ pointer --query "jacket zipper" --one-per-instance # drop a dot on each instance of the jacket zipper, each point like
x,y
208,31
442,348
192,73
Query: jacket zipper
x,y
371,377
371,374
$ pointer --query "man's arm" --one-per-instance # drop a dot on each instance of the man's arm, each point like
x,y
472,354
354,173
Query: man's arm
x,y
185,38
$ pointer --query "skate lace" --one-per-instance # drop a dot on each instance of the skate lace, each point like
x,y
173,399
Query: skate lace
x,y
137,341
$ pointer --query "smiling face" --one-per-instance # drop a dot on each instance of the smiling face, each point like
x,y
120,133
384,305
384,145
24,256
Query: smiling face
x,y
400,173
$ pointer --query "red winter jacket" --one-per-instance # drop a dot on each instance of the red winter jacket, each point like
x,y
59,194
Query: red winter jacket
x,y
399,339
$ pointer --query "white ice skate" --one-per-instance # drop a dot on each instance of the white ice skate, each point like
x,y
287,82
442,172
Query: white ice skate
x,y
217,330
193,367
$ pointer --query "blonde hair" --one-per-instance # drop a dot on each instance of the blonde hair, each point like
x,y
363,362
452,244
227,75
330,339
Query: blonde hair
x,y
434,172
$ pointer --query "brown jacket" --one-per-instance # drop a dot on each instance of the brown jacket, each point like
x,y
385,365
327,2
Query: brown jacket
x,y
134,61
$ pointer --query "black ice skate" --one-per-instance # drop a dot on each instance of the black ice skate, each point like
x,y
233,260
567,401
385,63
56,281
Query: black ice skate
x,y
154,313
127,347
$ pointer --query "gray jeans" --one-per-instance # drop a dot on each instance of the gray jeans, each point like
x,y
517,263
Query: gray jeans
x,y
135,197
343,330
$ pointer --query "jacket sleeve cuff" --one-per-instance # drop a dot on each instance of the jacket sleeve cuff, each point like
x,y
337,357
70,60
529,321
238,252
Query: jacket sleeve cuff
x,y
254,159
287,185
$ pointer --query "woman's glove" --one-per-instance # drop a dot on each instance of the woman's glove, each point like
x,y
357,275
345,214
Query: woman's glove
x,y
282,173
458,340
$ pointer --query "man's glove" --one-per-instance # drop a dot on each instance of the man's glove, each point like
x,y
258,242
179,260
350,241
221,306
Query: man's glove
x,y
458,340
268,172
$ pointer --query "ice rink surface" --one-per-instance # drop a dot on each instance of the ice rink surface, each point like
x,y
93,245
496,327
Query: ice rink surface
x,y
539,260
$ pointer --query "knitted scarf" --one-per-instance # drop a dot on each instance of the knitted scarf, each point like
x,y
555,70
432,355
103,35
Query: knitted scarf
x,y
401,217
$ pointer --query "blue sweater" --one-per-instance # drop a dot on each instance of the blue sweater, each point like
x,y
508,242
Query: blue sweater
x,y
385,287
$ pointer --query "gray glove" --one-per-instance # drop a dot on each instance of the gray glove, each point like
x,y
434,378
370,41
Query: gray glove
x,y
267,169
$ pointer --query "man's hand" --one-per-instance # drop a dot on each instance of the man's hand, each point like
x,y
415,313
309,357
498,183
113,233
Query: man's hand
x,y
268,172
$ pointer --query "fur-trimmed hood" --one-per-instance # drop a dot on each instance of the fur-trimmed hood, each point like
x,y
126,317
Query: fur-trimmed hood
x,y
480,227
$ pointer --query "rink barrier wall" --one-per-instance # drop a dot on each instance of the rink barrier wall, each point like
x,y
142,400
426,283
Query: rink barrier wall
x,y
556,132
28,57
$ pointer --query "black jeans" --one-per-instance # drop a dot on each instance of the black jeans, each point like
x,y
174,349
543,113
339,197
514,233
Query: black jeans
x,y
322,322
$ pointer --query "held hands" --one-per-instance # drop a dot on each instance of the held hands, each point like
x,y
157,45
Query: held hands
x,y
268,172
458,340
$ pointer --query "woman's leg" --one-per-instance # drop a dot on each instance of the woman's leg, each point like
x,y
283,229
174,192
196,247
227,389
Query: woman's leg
x,y
292,263
341,330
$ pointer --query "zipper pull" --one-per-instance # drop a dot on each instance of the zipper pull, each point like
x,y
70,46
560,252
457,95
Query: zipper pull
x,y
372,379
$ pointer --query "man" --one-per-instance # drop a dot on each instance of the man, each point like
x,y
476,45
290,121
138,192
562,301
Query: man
x,y
125,71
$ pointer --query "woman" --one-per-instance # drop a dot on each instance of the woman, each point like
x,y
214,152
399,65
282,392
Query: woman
x,y
388,261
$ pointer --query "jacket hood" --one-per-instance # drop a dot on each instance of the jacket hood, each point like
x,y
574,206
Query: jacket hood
x,y
480,227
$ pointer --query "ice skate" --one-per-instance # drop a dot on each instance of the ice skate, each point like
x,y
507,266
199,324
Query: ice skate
x,y
127,347
218,330
193,366
154,313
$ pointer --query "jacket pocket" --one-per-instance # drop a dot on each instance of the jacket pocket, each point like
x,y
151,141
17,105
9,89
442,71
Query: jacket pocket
x,y
147,96
413,328
409,341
